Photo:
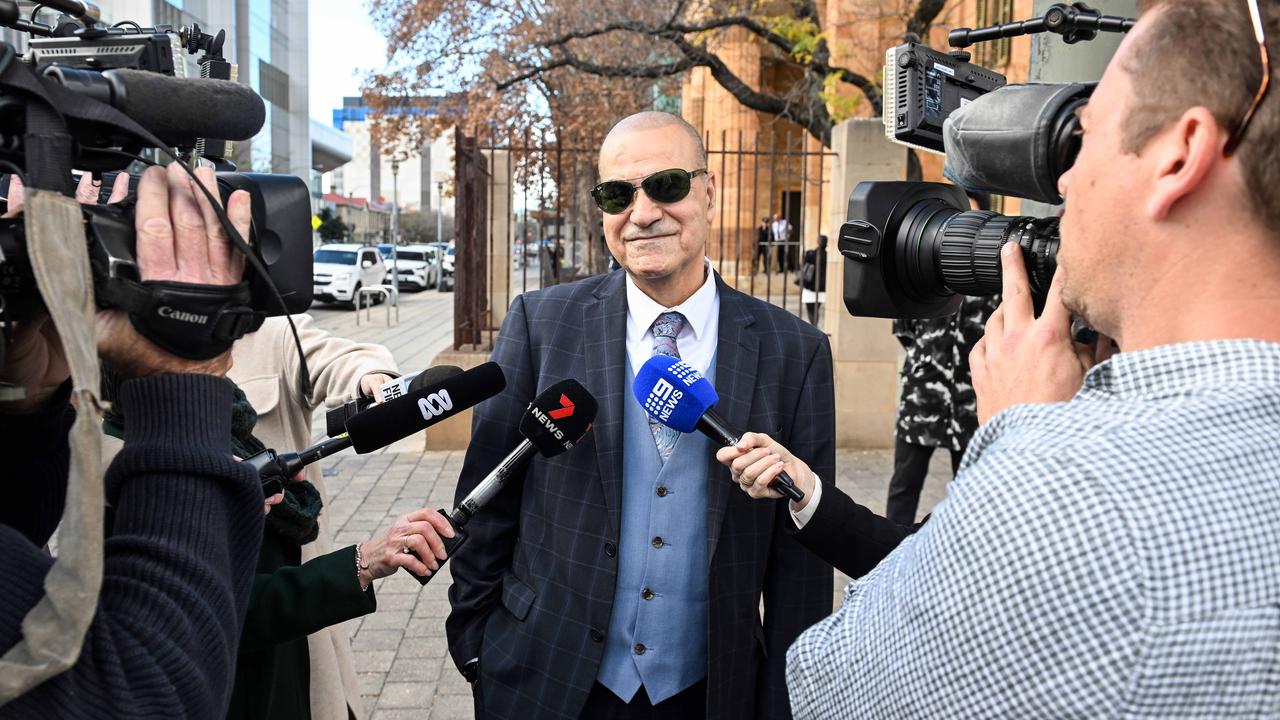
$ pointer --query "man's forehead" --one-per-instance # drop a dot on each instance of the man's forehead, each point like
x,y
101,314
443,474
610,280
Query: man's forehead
x,y
634,152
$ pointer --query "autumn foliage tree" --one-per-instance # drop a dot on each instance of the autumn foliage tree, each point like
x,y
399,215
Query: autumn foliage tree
x,y
574,66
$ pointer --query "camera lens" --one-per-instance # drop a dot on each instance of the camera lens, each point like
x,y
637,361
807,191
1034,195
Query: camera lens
x,y
945,250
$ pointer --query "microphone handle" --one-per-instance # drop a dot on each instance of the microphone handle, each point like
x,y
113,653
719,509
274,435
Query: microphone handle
x,y
714,426
476,499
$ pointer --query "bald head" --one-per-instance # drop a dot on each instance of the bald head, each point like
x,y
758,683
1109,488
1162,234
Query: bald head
x,y
654,120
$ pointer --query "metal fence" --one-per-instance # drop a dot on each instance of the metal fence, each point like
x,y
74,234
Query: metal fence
x,y
525,219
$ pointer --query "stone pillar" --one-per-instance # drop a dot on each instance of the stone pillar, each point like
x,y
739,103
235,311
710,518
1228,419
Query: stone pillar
x,y
502,230
865,352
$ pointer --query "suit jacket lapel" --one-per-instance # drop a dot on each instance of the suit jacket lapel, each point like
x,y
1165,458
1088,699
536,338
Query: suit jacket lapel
x,y
605,348
737,350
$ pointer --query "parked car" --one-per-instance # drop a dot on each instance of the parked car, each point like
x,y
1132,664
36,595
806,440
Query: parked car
x,y
446,266
341,269
416,265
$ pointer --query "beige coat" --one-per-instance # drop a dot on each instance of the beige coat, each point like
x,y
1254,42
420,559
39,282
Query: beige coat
x,y
266,368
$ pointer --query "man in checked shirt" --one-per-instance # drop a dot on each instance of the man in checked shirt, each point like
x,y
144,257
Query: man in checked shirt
x,y
1111,545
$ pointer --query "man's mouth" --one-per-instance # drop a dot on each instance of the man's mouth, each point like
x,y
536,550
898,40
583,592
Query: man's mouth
x,y
650,237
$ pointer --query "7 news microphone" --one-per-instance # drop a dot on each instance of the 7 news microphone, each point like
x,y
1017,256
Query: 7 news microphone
x,y
676,395
381,425
554,422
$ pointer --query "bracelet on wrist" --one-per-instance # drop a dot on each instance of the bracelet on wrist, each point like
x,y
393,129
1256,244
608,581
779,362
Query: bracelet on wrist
x,y
361,567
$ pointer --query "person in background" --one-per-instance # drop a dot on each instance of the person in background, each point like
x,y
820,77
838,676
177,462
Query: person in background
x,y
764,234
813,280
781,230
266,368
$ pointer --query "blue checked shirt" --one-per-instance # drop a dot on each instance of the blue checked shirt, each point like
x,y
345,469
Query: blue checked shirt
x,y
1114,556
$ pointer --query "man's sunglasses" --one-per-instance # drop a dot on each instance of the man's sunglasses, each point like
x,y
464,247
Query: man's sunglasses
x,y
1238,134
664,186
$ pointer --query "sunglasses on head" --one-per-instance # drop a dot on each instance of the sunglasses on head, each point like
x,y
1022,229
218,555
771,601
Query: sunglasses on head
x,y
664,186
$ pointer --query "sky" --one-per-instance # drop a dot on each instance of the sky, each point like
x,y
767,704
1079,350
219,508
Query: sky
x,y
344,44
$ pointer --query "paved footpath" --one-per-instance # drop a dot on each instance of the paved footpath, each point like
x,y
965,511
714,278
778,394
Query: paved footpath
x,y
401,653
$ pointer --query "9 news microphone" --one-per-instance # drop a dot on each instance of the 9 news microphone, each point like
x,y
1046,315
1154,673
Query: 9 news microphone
x,y
676,395
554,422
381,425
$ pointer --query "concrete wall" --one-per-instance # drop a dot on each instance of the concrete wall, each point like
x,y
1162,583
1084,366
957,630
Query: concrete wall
x,y
864,349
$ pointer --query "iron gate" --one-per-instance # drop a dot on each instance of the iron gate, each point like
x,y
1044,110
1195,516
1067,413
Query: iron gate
x,y
525,218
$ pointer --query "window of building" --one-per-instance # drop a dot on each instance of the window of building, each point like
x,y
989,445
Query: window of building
x,y
993,12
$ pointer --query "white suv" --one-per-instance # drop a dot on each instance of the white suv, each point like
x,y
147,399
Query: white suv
x,y
340,270
416,265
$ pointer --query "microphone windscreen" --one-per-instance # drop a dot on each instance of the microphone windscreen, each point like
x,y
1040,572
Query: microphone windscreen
x,y
433,375
179,110
559,417
381,425
673,393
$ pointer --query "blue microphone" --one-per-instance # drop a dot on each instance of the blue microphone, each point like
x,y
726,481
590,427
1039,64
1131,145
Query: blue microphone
x,y
676,395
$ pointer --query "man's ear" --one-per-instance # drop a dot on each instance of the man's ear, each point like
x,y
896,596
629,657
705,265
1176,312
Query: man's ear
x,y
711,194
1184,155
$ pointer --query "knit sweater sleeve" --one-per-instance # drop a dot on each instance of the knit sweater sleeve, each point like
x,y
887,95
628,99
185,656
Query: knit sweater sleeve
x,y
177,568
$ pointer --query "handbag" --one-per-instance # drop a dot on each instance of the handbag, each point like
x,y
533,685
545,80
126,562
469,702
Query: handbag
x,y
808,273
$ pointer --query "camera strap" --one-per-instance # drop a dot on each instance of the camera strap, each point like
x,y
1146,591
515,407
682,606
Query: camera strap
x,y
192,321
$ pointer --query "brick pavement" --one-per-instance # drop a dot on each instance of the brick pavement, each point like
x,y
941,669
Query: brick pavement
x,y
401,654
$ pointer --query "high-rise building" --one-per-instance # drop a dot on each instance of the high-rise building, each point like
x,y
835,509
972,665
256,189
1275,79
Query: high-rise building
x,y
421,174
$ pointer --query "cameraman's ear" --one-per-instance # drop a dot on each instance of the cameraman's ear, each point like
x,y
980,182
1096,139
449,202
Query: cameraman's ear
x,y
1184,155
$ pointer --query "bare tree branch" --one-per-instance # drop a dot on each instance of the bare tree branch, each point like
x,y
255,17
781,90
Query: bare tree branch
x,y
922,19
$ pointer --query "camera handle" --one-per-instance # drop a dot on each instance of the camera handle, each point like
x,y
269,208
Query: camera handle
x,y
1076,22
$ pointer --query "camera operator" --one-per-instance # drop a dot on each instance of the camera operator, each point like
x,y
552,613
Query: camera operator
x,y
1108,548
188,518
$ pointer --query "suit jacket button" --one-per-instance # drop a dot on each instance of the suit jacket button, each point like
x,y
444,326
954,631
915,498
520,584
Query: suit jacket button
x,y
610,549
658,542
647,594
662,491
596,635
639,648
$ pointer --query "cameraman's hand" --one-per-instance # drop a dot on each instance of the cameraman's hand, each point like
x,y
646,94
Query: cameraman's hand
x,y
34,362
179,240
87,189
1021,358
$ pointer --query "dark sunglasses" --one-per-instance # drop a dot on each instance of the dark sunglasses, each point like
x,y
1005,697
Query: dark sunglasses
x,y
664,186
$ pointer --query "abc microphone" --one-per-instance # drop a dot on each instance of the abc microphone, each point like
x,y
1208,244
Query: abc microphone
x,y
381,425
335,420
676,395
554,422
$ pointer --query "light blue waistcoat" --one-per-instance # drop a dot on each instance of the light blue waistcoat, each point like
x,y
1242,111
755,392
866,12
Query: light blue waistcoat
x,y
669,620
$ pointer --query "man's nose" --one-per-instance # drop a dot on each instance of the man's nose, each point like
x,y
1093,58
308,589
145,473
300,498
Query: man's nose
x,y
644,212
1062,184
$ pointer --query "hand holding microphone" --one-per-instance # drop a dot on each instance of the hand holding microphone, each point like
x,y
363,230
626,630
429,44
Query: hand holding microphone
x,y
756,460
676,395
554,422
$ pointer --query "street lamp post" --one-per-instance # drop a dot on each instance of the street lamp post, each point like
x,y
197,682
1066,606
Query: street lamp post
x,y
395,229
440,236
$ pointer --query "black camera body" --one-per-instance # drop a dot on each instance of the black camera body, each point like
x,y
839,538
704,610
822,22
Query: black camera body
x,y
912,249
113,91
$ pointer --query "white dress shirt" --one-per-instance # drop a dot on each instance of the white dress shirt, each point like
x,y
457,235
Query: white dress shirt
x,y
697,339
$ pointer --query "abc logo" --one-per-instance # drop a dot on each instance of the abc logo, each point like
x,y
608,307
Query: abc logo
x,y
435,404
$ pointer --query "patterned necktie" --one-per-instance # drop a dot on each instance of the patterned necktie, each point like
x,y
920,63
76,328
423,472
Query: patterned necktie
x,y
665,329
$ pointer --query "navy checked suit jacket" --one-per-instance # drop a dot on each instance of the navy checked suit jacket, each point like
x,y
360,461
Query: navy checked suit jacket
x,y
533,589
